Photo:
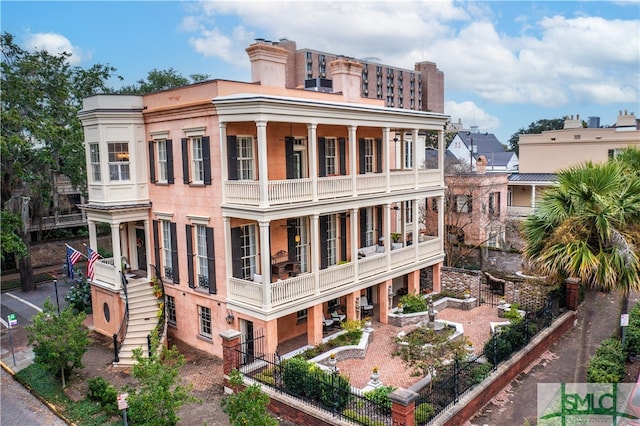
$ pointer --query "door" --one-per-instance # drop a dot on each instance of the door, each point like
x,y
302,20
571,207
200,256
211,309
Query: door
x,y
141,249
247,342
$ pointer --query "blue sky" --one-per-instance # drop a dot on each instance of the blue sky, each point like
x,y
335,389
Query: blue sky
x,y
506,63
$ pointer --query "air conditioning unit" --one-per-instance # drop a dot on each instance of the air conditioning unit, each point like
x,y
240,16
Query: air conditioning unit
x,y
319,84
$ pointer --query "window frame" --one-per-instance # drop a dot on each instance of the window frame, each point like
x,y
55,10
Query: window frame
x,y
196,159
119,168
167,257
200,255
369,155
94,162
464,203
330,155
163,171
249,247
332,240
204,322
170,307
246,163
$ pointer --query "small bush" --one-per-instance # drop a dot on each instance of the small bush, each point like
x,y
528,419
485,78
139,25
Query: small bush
x,y
380,397
424,412
480,371
607,365
103,392
361,418
413,302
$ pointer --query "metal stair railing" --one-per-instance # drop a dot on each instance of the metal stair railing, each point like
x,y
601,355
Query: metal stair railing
x,y
118,337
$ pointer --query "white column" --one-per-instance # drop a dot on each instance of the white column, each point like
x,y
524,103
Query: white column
x,y
117,254
313,158
441,149
224,166
228,256
147,247
414,144
93,240
386,164
414,226
265,264
533,196
263,172
315,250
353,160
386,212
354,239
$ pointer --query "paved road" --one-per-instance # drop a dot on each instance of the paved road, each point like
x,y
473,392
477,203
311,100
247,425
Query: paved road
x,y
20,408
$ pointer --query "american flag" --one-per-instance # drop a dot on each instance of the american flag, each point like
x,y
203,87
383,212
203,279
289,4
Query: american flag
x,y
73,256
93,257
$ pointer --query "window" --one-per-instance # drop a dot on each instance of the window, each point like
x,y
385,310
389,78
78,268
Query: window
x,y
408,154
248,246
369,231
408,212
463,203
330,156
94,159
202,265
197,169
302,246
434,204
171,310
245,158
332,241
162,161
118,161
196,160
204,315
301,316
368,156
167,258
494,203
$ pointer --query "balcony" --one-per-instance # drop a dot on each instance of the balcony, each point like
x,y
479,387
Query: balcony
x,y
334,279
289,191
518,211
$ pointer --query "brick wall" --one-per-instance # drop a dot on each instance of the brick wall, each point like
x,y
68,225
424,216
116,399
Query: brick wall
x,y
54,253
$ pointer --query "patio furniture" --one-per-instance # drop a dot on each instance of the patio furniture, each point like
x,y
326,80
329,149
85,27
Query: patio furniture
x,y
284,267
326,323
336,316
365,306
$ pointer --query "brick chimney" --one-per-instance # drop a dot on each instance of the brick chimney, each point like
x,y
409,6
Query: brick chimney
x,y
347,78
626,122
481,165
571,123
268,63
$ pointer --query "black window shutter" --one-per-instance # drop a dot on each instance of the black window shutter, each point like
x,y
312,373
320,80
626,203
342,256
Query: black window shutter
x,y
232,157
470,202
361,155
291,238
186,178
211,262
343,236
170,174
379,223
156,245
342,150
190,271
324,247
322,157
378,155
206,159
174,252
152,162
288,152
236,252
363,228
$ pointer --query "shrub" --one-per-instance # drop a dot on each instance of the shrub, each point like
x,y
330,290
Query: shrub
x,y
79,297
380,397
413,302
103,392
424,412
607,365
248,406
361,418
632,341
480,371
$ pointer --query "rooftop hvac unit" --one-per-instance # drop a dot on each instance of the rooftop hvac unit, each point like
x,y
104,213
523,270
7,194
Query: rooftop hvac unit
x,y
319,84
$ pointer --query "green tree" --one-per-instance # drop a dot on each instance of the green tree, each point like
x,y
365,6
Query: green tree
x,y
588,225
41,137
247,406
159,396
59,341
534,128
158,80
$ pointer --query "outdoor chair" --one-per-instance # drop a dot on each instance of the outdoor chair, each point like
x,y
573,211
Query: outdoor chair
x,y
326,323
336,316
365,306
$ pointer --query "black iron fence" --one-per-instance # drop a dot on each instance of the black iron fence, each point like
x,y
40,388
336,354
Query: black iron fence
x,y
461,375
322,387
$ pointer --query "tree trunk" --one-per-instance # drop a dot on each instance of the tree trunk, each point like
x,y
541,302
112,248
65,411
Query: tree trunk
x,y
27,280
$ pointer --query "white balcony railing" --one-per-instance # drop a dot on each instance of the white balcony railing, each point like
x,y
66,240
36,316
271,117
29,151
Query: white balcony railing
x,y
247,192
330,280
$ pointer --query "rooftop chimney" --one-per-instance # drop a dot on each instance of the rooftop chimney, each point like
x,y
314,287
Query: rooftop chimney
x,y
625,122
481,165
268,63
570,123
347,78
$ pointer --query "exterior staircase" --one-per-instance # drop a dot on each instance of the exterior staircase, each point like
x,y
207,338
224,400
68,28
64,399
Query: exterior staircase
x,y
143,318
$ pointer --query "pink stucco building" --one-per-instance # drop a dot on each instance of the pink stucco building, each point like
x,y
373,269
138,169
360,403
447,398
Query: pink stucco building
x,y
262,208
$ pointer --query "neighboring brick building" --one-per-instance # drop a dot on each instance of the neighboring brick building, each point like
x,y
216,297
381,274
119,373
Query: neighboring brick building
x,y
421,89
263,207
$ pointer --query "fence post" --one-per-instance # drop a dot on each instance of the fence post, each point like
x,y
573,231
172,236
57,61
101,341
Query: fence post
x,y
115,348
403,407
230,355
572,293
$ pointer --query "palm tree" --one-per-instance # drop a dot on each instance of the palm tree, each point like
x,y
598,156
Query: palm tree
x,y
588,226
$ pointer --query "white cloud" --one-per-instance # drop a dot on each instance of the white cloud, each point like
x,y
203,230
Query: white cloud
x,y
541,58
56,44
470,114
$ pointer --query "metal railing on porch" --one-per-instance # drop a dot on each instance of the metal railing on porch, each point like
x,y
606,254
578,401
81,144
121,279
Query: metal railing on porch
x,y
161,327
118,338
